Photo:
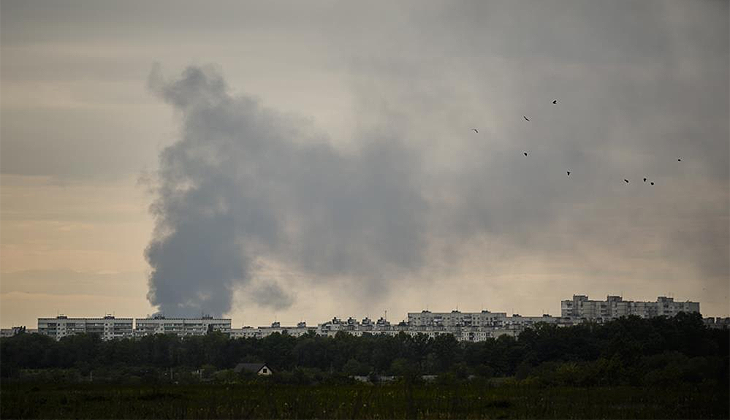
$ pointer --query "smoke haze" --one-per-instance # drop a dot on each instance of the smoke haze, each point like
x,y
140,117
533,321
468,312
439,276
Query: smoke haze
x,y
247,187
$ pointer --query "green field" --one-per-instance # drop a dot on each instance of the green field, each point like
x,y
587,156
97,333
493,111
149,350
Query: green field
x,y
466,400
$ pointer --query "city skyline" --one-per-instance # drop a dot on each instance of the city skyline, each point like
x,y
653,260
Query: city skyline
x,y
384,315
464,326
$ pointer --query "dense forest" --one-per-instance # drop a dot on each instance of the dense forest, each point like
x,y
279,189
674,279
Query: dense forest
x,y
627,351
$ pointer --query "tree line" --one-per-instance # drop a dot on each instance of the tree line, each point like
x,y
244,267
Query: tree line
x,y
629,351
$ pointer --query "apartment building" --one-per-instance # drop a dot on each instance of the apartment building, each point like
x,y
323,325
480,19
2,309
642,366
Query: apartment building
x,y
615,307
456,319
718,323
108,327
10,332
182,327
249,332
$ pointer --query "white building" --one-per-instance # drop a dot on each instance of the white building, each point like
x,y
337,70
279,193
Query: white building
x,y
9,332
476,326
352,326
718,323
182,327
108,327
468,326
666,306
456,319
261,332
615,307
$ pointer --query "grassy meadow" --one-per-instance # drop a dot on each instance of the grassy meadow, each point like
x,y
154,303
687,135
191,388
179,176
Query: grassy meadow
x,y
399,400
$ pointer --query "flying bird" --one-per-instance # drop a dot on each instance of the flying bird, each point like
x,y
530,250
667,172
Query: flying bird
x,y
626,180
475,130
568,173
555,102
525,153
526,119
652,182
644,179
679,160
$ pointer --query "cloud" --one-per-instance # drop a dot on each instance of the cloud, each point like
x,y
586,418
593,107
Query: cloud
x,y
69,282
271,294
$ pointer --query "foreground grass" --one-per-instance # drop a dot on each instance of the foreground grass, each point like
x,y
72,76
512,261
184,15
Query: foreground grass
x,y
429,401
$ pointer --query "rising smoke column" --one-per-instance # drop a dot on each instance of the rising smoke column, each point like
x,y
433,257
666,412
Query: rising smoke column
x,y
244,182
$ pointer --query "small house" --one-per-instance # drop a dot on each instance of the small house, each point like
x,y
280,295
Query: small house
x,y
257,368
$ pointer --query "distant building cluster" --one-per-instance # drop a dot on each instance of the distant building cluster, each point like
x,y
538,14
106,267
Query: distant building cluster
x,y
480,326
717,322
465,326
9,332
615,307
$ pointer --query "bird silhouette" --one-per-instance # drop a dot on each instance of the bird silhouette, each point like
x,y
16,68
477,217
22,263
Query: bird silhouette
x,y
475,130
526,119
525,153
568,173
644,179
626,180
555,102
652,182
679,160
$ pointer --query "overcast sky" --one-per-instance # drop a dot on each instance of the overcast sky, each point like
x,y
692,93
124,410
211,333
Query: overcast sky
x,y
292,160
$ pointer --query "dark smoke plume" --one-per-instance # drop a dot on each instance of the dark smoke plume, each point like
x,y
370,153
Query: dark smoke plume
x,y
244,182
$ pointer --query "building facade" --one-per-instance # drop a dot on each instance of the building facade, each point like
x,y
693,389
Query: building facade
x,y
181,327
10,332
108,327
615,307
718,323
261,332
456,319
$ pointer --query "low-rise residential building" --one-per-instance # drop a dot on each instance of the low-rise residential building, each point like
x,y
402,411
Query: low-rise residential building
x,y
719,322
9,332
257,368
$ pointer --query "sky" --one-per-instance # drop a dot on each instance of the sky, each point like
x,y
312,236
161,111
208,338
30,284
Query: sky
x,y
298,161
